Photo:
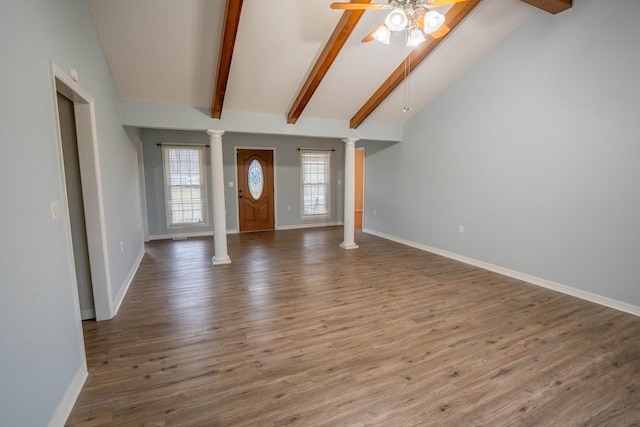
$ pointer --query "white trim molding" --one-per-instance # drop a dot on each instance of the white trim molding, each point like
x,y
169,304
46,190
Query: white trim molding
x,y
127,282
59,417
88,314
310,225
93,200
568,290
181,235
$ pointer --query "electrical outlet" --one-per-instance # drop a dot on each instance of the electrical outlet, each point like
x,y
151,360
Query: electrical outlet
x,y
288,208
461,228
121,246
375,212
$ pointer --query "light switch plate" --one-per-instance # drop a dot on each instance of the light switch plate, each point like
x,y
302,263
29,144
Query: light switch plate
x,y
56,211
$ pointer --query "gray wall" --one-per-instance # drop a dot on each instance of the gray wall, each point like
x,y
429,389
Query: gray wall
x,y
41,344
287,177
536,151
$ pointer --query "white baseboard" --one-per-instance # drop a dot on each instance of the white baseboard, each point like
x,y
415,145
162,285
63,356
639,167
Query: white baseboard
x,y
181,235
311,225
127,283
88,314
236,231
578,293
65,406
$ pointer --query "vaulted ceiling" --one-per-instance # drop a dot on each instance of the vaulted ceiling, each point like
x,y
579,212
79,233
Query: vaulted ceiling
x,y
291,57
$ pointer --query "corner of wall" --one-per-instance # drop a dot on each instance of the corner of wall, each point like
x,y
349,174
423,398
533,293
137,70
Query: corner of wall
x,y
63,410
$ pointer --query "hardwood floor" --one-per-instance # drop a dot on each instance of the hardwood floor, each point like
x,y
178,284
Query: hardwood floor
x,y
297,331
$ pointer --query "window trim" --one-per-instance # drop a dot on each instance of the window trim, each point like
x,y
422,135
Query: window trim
x,y
326,151
203,183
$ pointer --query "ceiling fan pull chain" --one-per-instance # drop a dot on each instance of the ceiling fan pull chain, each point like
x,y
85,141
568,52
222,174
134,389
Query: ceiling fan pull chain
x,y
407,86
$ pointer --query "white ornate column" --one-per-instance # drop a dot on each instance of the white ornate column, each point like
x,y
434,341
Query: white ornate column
x,y
349,193
219,209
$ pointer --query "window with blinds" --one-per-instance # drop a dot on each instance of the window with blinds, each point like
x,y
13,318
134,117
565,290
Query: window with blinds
x,y
316,180
185,185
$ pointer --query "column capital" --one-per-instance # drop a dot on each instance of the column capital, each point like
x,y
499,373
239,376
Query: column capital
x,y
350,140
215,132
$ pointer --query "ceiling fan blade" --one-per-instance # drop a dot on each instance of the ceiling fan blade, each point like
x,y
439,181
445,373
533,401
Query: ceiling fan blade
x,y
438,3
369,37
440,32
360,6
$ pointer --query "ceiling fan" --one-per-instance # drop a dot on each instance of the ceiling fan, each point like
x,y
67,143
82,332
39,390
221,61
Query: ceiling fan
x,y
415,16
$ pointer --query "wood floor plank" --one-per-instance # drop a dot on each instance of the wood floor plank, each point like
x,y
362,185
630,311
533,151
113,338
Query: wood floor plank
x,y
297,331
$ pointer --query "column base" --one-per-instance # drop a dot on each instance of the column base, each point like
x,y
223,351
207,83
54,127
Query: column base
x,y
344,245
226,260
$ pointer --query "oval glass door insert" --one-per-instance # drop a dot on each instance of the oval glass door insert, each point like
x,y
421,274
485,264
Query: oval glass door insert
x,y
256,179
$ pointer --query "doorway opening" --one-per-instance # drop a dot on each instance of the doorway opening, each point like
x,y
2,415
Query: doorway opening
x,y
75,205
82,194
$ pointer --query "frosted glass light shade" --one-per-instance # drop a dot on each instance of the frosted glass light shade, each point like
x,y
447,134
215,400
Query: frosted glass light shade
x,y
433,21
382,34
415,37
396,20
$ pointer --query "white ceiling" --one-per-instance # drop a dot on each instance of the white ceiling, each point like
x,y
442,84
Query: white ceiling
x,y
166,52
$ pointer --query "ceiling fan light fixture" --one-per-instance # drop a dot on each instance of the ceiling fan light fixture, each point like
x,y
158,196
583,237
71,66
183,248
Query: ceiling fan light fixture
x,y
396,20
382,34
433,21
415,37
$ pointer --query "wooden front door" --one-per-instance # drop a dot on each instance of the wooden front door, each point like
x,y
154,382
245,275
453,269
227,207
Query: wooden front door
x,y
255,190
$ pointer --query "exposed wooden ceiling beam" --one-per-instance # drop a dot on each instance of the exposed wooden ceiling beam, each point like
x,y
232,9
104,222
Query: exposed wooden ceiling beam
x,y
232,19
453,17
334,45
551,6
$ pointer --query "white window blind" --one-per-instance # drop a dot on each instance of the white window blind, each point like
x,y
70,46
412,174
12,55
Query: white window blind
x,y
316,174
185,185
